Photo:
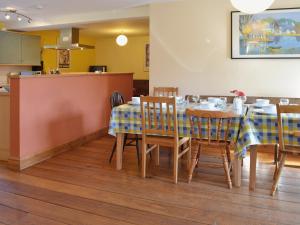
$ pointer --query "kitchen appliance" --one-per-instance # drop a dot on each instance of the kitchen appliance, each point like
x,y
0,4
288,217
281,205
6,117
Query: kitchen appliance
x,y
98,68
69,40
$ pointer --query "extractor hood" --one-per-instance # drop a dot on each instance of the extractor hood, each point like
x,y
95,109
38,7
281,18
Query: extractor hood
x,y
69,40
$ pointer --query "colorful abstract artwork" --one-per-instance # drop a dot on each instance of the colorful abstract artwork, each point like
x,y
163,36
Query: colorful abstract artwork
x,y
272,34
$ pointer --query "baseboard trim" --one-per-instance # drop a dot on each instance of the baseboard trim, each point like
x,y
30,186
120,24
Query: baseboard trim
x,y
21,164
4,154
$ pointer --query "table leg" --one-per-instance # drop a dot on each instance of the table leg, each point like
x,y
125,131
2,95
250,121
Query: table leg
x,y
253,159
119,155
237,171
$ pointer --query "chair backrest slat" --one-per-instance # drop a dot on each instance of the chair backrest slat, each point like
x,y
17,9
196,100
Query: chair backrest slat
x,y
165,91
163,108
116,99
218,133
209,116
162,121
199,127
282,109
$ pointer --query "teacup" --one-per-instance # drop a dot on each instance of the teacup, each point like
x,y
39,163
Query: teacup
x,y
136,100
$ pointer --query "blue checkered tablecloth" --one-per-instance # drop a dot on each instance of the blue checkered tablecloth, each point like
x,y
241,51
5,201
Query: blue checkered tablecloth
x,y
258,128
127,119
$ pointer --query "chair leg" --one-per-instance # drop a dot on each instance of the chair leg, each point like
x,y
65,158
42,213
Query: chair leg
x,y
194,162
144,160
175,164
189,155
157,152
228,153
278,173
198,155
113,151
226,169
137,149
276,154
125,140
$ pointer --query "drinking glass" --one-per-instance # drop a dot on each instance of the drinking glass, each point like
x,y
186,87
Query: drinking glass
x,y
223,102
284,101
195,98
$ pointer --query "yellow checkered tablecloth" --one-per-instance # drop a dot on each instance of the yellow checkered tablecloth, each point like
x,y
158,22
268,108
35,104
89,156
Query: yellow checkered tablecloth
x,y
127,119
257,129
252,129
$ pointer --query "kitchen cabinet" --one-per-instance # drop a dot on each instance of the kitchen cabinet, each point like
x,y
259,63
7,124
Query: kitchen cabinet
x,y
10,48
30,50
19,49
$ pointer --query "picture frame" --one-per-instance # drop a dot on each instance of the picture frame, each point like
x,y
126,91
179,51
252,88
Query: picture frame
x,y
147,57
273,34
64,58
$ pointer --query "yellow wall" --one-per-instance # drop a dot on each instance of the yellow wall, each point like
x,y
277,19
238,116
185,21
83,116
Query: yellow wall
x,y
130,58
80,60
1,25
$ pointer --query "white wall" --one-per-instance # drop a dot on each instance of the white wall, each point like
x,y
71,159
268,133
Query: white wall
x,y
190,48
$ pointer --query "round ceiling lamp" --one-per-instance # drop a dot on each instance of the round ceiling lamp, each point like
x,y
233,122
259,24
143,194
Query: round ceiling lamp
x,y
252,6
122,40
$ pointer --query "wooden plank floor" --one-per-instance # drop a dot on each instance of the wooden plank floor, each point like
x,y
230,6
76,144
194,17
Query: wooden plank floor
x,y
80,187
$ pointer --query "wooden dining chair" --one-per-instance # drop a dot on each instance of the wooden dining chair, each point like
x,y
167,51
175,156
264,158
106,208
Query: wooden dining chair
x,y
165,91
285,149
200,120
117,99
160,128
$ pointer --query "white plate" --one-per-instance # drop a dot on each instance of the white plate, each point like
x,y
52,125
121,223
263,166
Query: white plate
x,y
133,103
260,105
270,109
204,107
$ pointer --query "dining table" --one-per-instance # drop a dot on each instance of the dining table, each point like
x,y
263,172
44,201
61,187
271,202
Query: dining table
x,y
249,130
126,119
260,127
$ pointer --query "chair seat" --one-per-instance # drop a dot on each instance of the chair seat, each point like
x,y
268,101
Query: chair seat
x,y
291,149
164,140
214,143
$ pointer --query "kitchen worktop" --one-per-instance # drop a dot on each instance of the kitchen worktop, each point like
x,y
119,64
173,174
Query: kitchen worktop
x,y
73,74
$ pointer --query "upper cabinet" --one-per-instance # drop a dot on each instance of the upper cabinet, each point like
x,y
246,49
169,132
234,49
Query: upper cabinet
x,y
19,49
30,50
10,48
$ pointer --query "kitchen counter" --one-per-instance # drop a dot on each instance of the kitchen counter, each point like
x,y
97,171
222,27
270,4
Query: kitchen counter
x,y
73,74
4,127
48,112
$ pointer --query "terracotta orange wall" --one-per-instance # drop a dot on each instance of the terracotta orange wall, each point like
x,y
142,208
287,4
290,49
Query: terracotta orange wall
x,y
50,111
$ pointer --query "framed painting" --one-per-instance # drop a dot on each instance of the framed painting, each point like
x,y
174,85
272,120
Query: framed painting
x,y
147,57
63,58
273,34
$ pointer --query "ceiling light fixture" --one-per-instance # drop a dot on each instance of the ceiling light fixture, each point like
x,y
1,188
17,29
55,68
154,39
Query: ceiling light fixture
x,y
122,40
252,6
9,13
7,16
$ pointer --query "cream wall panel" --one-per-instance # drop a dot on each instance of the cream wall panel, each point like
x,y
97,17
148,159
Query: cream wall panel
x,y
190,48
